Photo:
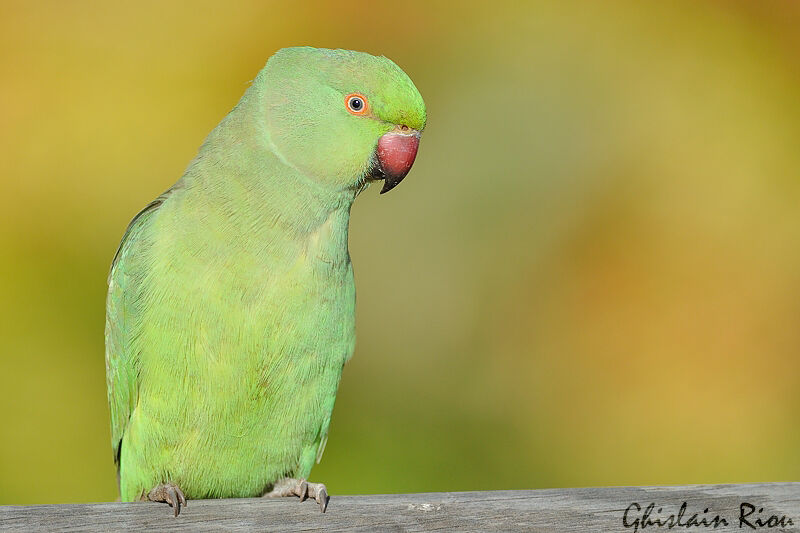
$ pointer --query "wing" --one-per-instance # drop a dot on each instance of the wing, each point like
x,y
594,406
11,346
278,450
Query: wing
x,y
126,286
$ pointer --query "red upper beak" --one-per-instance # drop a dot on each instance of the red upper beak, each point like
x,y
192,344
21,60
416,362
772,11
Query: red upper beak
x,y
396,153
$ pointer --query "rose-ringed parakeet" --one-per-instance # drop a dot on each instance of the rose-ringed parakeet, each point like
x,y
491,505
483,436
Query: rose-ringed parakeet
x,y
231,300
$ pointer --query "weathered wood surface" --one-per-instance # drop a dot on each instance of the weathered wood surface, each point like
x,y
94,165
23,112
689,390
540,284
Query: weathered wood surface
x,y
557,510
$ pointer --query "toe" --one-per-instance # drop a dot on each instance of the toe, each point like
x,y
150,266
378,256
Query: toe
x,y
173,500
181,497
322,498
302,490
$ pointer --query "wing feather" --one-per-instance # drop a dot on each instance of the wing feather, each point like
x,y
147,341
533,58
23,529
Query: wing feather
x,y
125,288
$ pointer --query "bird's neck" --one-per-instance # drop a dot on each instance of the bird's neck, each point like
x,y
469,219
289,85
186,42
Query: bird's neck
x,y
243,190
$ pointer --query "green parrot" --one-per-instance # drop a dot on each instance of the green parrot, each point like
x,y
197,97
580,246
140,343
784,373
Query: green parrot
x,y
231,299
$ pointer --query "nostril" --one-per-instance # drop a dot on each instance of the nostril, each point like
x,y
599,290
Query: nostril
x,y
403,127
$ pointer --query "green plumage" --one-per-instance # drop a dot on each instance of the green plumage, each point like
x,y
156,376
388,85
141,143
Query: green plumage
x,y
231,302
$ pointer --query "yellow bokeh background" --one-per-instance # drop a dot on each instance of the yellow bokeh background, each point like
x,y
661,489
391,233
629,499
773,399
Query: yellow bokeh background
x,y
590,277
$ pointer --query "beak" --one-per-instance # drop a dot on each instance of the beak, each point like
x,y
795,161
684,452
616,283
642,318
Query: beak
x,y
394,156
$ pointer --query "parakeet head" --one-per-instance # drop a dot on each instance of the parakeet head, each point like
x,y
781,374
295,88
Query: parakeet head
x,y
341,117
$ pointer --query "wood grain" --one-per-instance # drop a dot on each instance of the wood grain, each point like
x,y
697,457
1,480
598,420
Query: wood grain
x,y
556,510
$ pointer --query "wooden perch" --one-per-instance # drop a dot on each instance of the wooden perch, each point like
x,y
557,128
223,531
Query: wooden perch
x,y
748,507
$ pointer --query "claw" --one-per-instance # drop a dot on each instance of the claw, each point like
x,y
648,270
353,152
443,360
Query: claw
x,y
182,497
302,489
169,493
322,498
174,500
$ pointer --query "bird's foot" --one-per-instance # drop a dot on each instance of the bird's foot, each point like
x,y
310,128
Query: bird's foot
x,y
168,493
302,489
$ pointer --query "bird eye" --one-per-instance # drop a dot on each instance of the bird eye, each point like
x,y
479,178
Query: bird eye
x,y
356,103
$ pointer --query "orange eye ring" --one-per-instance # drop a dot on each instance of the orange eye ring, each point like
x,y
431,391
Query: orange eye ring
x,y
356,104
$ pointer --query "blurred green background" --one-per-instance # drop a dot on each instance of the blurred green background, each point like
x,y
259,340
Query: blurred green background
x,y
590,277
